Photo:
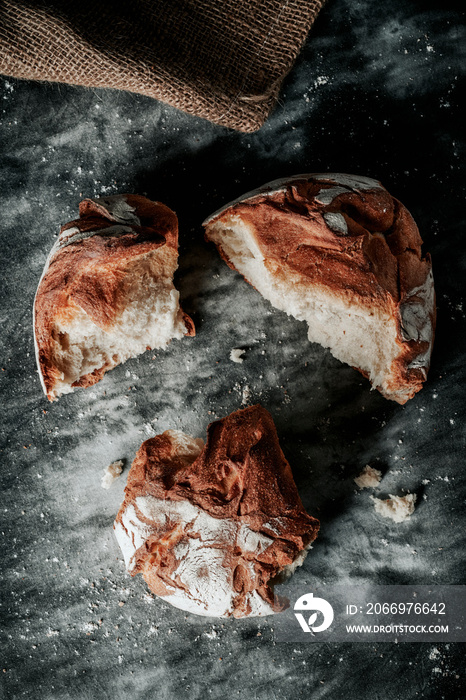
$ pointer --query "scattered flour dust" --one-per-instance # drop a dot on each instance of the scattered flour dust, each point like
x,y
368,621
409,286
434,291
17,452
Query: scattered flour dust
x,y
111,473
90,627
321,80
397,508
369,478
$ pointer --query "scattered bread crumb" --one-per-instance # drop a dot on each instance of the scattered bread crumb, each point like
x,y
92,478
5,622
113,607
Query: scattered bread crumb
x,y
235,355
112,472
211,635
397,508
246,396
369,478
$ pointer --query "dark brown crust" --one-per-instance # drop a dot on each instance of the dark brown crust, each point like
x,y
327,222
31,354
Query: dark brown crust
x,y
378,261
241,474
189,323
87,273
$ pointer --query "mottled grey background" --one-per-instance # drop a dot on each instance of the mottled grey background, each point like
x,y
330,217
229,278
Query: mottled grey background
x,y
376,91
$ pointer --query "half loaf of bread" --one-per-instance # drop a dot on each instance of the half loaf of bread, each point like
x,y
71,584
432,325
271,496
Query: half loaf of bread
x,y
339,252
106,293
211,527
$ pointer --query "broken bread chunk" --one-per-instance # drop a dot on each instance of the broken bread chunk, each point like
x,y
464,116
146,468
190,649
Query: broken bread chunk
x,y
212,528
339,252
107,293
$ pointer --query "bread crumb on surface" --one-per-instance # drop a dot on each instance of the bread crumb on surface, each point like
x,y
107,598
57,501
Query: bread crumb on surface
x,y
112,472
397,508
246,395
236,355
369,478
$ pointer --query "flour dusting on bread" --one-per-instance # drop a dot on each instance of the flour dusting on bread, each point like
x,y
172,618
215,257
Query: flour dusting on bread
x,y
213,528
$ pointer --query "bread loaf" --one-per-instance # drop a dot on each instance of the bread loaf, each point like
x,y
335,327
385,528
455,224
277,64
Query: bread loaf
x,y
106,293
211,527
339,252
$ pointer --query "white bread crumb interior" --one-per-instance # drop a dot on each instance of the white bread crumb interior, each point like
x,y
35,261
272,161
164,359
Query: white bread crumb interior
x,y
148,317
358,335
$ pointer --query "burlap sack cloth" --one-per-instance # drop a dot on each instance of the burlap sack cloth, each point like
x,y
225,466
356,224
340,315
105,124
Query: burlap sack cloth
x,y
220,59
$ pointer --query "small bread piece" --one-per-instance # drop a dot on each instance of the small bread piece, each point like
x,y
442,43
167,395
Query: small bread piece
x,y
112,473
339,252
369,478
106,293
397,508
211,528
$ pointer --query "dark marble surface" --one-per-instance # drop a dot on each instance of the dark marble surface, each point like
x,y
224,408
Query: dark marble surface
x,y
376,91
